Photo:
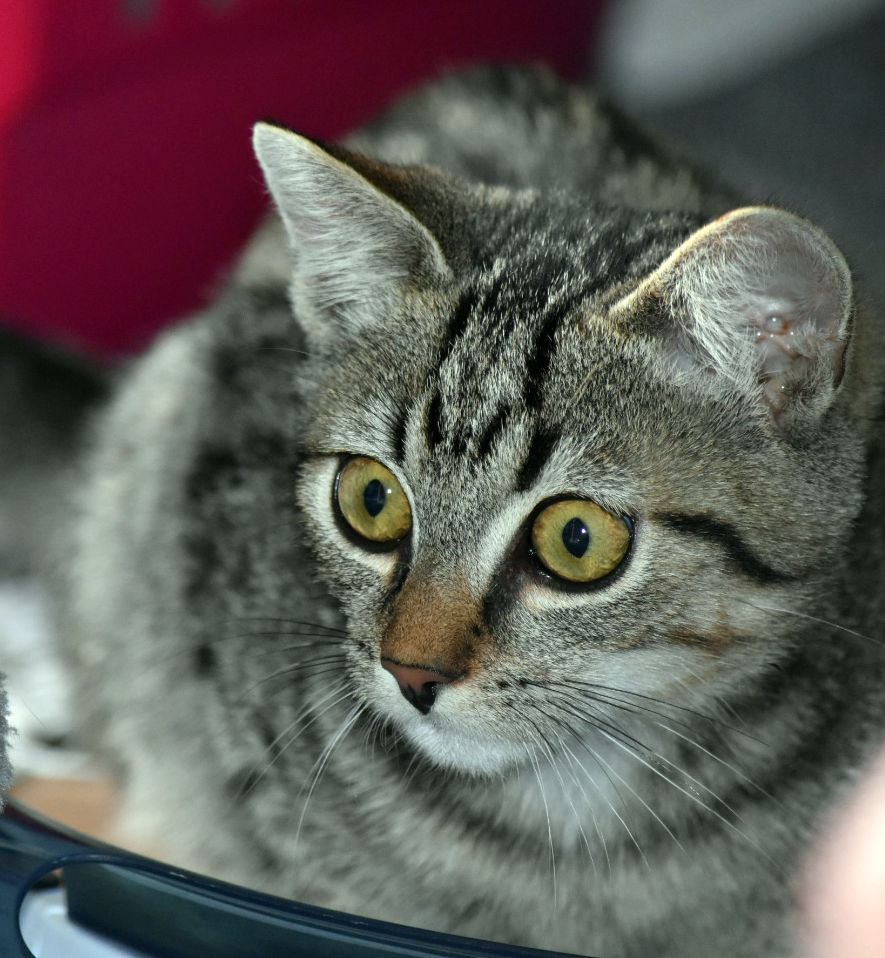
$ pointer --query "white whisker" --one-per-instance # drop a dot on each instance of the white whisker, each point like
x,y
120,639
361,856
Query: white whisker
x,y
537,769
806,616
716,758
593,754
567,794
337,694
688,794
319,766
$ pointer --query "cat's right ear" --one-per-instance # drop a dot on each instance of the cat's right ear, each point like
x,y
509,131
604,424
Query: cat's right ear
x,y
355,248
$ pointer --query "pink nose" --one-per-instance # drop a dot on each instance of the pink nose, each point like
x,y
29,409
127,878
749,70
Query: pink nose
x,y
417,683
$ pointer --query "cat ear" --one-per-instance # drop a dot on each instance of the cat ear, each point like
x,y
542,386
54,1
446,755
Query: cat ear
x,y
354,246
760,296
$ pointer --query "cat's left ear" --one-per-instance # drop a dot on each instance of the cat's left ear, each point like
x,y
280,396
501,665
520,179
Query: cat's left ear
x,y
761,297
355,247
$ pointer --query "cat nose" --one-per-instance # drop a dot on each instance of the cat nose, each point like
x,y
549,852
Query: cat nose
x,y
417,683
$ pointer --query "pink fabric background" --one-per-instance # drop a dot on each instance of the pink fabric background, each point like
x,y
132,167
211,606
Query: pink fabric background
x,y
127,181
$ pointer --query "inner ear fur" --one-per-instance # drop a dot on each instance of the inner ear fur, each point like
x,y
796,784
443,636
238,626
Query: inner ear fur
x,y
356,247
759,296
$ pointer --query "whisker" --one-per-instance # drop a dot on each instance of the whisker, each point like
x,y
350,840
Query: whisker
x,y
289,633
533,758
593,754
589,806
319,766
600,722
283,349
335,630
318,666
566,792
627,741
373,732
296,646
275,750
639,709
636,795
813,618
607,768
716,758
600,690
618,738
219,640
694,798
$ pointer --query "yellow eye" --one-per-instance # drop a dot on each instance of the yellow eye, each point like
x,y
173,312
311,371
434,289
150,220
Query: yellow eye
x,y
372,501
579,541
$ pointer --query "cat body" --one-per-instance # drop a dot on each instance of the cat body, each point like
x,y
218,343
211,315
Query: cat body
x,y
5,767
428,721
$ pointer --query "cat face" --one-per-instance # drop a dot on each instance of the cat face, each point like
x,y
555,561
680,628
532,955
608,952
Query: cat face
x,y
568,472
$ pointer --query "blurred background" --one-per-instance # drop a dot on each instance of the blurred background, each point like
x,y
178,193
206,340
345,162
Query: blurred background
x,y
127,182
784,98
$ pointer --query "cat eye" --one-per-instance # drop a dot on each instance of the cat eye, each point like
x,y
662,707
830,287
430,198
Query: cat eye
x,y
372,502
579,541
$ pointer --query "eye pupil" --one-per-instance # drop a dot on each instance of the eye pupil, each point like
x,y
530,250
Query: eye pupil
x,y
579,541
374,497
575,537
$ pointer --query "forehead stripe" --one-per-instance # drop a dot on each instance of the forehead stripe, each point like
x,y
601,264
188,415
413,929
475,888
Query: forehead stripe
x,y
398,433
538,357
433,430
492,431
537,455
464,308
538,361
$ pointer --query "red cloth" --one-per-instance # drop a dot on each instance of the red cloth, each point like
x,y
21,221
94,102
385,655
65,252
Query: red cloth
x,y
127,181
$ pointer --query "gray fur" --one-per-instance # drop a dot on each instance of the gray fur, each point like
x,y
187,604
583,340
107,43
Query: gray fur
x,y
5,766
629,770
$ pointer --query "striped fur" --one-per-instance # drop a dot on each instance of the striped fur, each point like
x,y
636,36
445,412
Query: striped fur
x,y
512,317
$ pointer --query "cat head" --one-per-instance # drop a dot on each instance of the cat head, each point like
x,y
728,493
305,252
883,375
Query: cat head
x,y
564,458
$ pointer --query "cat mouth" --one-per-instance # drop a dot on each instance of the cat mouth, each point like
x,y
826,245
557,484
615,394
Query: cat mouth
x,y
450,731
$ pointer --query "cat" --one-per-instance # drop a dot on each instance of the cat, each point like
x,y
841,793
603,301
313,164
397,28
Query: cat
x,y
499,552
5,766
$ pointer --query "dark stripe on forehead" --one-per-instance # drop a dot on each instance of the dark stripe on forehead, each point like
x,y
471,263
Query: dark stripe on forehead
x,y
433,421
537,456
492,431
399,435
724,536
538,360
465,306
470,301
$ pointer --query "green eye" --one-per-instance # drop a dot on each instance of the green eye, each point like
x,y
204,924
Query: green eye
x,y
372,501
579,541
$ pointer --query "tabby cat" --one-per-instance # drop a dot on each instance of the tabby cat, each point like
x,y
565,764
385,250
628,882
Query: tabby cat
x,y
497,553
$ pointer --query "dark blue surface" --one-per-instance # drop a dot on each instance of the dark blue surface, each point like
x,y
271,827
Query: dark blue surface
x,y
174,914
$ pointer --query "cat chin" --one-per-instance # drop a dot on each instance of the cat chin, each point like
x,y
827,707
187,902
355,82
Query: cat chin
x,y
457,750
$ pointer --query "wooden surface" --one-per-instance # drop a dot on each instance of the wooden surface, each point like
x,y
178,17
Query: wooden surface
x,y
90,805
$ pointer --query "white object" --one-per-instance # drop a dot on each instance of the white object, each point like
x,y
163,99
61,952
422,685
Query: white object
x,y
50,933
656,52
